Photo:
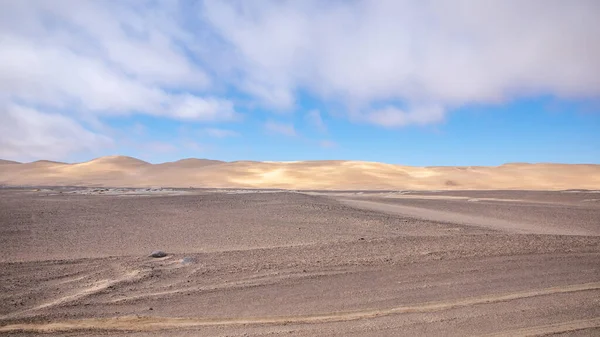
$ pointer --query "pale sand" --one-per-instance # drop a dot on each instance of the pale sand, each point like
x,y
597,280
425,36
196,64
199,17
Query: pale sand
x,y
328,175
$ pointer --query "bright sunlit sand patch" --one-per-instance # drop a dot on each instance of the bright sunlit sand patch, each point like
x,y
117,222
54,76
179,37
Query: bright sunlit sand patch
x,y
284,162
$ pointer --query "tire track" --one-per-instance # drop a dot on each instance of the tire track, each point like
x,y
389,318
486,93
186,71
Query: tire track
x,y
462,219
94,288
137,323
550,329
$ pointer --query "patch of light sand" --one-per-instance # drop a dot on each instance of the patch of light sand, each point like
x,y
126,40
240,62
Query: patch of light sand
x,y
284,162
423,173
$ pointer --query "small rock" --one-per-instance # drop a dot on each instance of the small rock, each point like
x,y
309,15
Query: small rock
x,y
361,239
158,253
187,260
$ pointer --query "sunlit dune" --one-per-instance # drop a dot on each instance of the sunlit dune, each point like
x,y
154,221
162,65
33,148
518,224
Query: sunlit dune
x,y
38,163
127,171
189,162
114,161
3,162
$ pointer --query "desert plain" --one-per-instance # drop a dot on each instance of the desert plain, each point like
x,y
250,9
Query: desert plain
x,y
298,249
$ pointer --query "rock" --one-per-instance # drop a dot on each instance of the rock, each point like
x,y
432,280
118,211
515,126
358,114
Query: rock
x,y
158,253
187,260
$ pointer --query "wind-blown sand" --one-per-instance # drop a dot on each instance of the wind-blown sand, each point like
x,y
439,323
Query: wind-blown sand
x,y
277,263
332,175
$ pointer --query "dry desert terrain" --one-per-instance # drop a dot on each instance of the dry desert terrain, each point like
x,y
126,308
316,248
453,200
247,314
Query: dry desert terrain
x,y
268,262
119,171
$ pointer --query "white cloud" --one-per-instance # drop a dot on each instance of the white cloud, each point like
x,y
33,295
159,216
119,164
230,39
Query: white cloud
x,y
54,75
220,133
281,128
189,107
314,118
28,134
393,117
89,59
442,53
140,39
58,77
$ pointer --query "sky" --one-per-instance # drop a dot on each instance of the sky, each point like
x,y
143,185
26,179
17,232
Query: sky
x,y
421,83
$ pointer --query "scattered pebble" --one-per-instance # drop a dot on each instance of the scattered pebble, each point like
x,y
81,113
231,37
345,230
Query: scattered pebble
x,y
158,253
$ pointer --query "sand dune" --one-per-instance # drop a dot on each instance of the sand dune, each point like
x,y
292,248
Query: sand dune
x,y
43,163
3,162
127,171
190,163
114,161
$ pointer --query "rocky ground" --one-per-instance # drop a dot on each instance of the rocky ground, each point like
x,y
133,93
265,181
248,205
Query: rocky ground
x,y
243,263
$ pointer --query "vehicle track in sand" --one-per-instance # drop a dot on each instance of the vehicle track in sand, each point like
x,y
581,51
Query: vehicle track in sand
x,y
94,288
145,323
463,219
550,329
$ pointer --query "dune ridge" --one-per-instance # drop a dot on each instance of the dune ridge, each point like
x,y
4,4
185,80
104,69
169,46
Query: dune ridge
x,y
121,171
3,162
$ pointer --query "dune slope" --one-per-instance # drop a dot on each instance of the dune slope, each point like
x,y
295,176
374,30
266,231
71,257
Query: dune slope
x,y
8,162
343,175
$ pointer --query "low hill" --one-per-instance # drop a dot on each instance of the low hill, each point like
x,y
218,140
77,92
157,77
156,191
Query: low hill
x,y
4,162
333,175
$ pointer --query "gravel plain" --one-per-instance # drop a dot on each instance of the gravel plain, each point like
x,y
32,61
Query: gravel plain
x,y
258,263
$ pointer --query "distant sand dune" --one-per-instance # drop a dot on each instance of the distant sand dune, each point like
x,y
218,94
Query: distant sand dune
x,y
2,162
127,171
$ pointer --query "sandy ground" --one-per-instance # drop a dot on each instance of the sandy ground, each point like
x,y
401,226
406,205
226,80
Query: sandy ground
x,y
258,263
115,171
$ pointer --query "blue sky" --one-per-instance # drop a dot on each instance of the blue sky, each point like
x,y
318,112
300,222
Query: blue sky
x,y
403,82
